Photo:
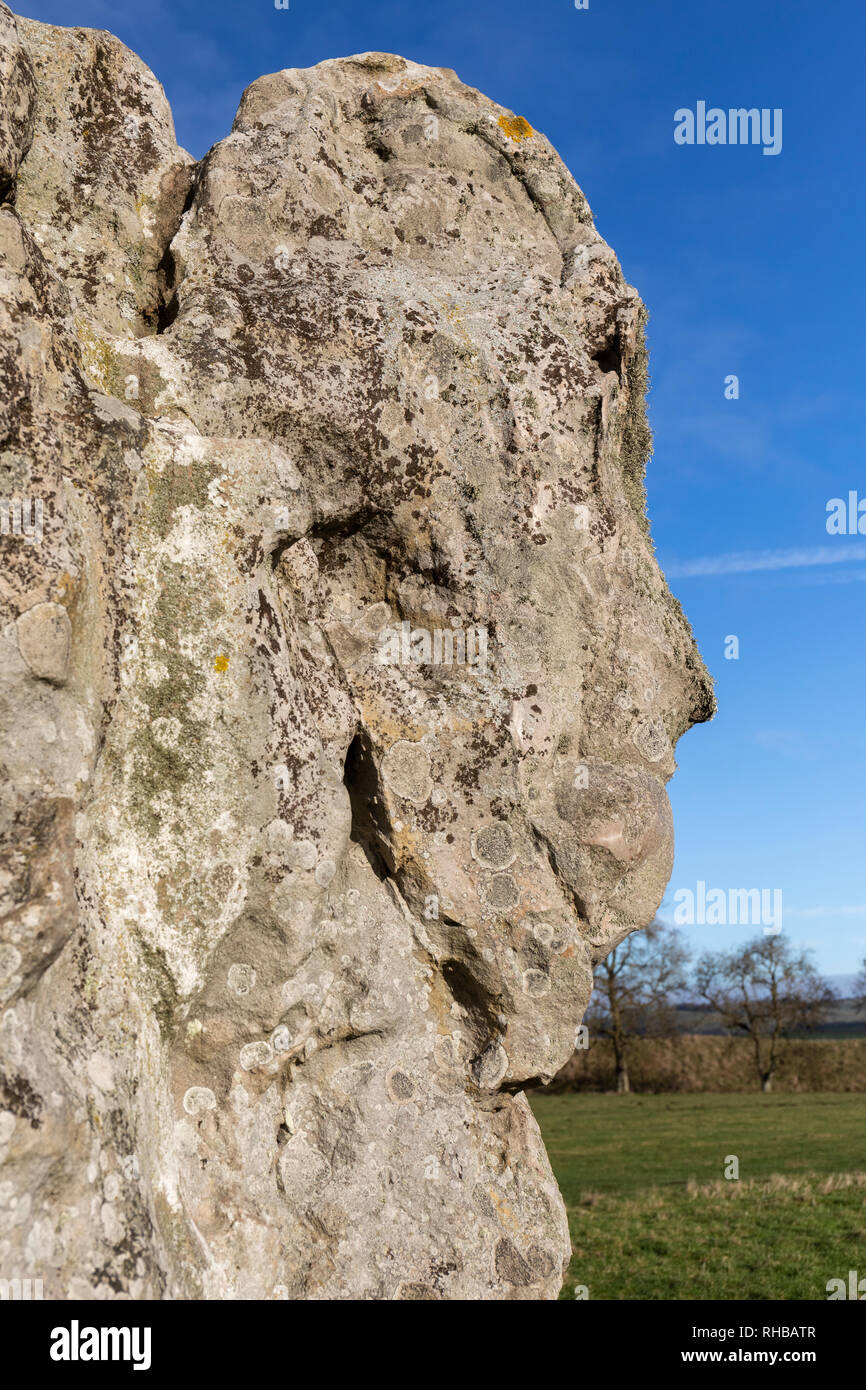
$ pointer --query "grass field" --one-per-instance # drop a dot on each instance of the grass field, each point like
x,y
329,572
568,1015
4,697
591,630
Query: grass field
x,y
653,1217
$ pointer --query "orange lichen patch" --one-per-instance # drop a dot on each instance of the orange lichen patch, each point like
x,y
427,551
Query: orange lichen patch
x,y
503,1210
64,589
515,127
222,663
385,728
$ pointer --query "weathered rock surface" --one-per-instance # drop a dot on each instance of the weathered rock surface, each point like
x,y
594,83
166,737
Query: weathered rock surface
x,y
340,685
18,86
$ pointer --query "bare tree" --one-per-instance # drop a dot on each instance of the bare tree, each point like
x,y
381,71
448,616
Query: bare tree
x,y
860,987
764,991
634,986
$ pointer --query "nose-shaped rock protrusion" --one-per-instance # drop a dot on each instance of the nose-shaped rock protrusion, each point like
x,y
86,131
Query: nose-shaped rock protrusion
x,y
621,809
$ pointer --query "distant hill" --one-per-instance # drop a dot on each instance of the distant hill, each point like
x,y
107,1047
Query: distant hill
x,y
844,1019
844,985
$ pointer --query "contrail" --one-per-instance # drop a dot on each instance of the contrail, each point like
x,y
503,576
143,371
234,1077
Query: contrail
x,y
750,561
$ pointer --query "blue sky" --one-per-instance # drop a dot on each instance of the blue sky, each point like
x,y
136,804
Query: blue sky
x,y
750,265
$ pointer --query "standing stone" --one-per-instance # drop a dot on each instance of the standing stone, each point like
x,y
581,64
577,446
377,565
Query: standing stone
x,y
339,693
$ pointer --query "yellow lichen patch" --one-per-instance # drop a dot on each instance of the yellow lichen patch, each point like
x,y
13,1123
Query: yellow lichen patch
x,y
516,128
97,355
222,663
453,313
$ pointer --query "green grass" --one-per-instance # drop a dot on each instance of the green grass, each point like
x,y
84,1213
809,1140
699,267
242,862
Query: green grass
x,y
653,1217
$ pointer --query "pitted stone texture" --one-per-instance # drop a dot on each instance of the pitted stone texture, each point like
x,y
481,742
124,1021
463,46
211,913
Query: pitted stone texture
x,y
305,881
44,633
104,184
18,85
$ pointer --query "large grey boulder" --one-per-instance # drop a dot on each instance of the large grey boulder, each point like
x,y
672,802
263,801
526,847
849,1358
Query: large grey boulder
x,y
339,682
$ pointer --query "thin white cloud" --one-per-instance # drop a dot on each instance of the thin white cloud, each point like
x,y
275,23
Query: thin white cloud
x,y
751,561
786,741
846,577
850,910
